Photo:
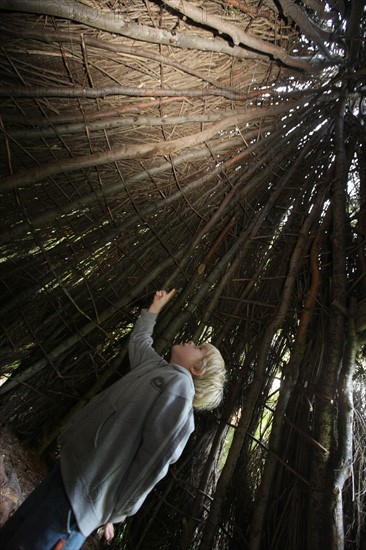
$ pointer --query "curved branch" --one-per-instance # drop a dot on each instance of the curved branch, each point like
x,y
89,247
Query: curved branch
x,y
108,45
295,12
128,151
111,22
237,35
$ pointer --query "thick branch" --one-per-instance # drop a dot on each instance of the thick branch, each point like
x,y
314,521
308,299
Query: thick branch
x,y
130,151
343,460
355,33
257,384
320,527
114,122
237,35
288,385
318,6
111,46
93,93
69,9
295,12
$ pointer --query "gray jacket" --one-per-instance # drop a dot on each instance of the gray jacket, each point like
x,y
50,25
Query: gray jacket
x,y
115,449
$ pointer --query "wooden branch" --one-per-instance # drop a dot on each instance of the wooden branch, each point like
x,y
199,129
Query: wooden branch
x,y
93,93
311,298
343,456
245,8
324,500
143,150
355,34
295,12
75,11
237,35
338,5
290,379
111,46
110,123
318,7
277,458
69,342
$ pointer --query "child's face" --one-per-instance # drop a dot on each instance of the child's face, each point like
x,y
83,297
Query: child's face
x,y
188,354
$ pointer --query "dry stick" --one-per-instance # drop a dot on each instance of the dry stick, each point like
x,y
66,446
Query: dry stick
x,y
89,327
197,507
71,118
74,121
325,516
344,454
225,206
253,12
361,221
318,6
60,283
107,45
273,145
238,36
101,319
215,246
26,178
184,297
69,9
296,428
93,93
110,124
354,33
296,13
63,272
248,288
80,203
290,378
193,185
256,387
277,458
116,233
83,201
220,211
177,322
201,490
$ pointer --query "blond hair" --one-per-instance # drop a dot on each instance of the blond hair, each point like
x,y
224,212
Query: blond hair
x,y
209,385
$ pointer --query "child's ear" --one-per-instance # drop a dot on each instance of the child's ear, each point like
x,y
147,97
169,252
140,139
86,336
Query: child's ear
x,y
195,370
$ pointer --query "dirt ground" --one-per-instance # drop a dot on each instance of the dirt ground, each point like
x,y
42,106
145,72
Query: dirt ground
x,y
20,471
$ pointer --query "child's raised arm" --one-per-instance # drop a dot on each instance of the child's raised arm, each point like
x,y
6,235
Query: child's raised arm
x,y
140,346
161,298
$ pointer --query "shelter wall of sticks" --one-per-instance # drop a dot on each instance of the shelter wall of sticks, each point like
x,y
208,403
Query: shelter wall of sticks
x,y
217,147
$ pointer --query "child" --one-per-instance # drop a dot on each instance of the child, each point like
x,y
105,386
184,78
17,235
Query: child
x,y
116,449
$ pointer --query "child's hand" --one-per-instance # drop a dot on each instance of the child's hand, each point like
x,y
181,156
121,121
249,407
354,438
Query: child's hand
x,y
108,531
161,298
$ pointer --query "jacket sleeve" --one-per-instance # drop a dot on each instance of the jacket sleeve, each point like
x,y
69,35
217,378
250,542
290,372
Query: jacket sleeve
x,y
140,345
165,435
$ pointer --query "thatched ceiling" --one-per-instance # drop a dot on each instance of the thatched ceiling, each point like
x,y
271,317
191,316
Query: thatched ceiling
x,y
149,144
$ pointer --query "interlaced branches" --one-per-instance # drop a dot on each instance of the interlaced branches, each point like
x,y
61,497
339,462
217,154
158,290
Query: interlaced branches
x,y
219,148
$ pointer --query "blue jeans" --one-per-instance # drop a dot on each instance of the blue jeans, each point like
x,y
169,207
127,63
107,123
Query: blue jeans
x,y
44,520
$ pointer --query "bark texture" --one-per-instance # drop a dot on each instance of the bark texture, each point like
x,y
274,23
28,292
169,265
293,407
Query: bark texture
x,y
219,148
